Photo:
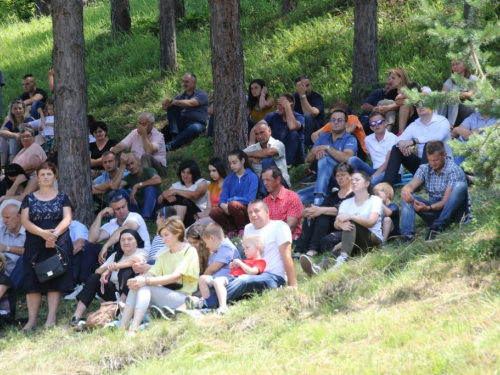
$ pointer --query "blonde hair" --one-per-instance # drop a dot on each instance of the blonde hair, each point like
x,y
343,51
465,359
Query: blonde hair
x,y
401,73
174,226
2,260
386,188
254,240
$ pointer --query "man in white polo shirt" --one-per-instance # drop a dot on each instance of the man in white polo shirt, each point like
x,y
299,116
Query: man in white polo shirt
x,y
379,145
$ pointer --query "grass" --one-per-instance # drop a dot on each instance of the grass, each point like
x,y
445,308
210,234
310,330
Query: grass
x,y
419,309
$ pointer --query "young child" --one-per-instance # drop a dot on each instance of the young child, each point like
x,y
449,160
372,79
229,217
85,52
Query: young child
x,y
390,223
45,127
5,284
253,265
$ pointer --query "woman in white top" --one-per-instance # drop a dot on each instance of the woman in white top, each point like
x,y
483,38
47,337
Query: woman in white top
x,y
112,276
188,195
451,111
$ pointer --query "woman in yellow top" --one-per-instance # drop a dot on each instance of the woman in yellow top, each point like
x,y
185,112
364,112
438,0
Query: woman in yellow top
x,y
260,103
173,277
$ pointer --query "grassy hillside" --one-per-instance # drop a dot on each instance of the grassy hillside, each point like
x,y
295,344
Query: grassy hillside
x,y
420,309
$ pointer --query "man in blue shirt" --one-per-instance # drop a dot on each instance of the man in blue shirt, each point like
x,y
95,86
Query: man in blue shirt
x,y
187,113
102,184
287,126
331,149
310,104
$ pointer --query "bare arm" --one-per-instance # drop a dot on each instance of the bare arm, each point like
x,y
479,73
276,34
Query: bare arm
x,y
383,167
245,267
16,250
367,107
120,147
34,98
286,257
264,153
292,222
97,235
185,103
409,188
213,268
116,182
316,134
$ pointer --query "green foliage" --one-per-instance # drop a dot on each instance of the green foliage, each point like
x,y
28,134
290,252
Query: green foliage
x,y
16,10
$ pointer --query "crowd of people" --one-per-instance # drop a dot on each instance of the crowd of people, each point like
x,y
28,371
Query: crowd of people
x,y
192,262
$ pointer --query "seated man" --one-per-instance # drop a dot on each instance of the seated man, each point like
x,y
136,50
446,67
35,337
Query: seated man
x,y
147,143
379,145
446,185
79,237
266,152
329,150
283,204
428,127
287,126
187,113
102,184
475,123
310,104
12,237
32,96
144,182
277,254
93,253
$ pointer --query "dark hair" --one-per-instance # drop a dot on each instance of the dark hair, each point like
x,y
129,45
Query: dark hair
x,y
241,155
288,97
14,170
252,101
366,177
193,168
343,167
435,146
167,212
28,76
467,72
376,113
140,241
341,111
275,170
300,78
98,125
196,232
220,165
259,201
47,165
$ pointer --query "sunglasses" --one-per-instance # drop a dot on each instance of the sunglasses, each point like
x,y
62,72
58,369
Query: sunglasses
x,y
116,198
337,120
375,123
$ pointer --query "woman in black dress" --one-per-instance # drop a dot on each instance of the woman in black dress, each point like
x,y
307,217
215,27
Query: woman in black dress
x,y
102,144
46,215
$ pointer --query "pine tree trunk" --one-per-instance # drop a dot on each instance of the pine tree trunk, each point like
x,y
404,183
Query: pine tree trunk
x,y
180,9
228,77
42,8
168,47
288,6
365,64
120,16
71,130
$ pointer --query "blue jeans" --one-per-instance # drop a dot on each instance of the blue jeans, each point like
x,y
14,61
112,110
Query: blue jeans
x,y
267,162
246,284
459,159
306,195
185,130
452,212
294,148
150,204
325,174
34,109
17,274
360,165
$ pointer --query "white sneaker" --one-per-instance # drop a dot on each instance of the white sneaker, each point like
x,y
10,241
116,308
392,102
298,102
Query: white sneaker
x,y
73,295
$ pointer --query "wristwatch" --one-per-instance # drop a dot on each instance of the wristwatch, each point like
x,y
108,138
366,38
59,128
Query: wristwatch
x,y
7,249
302,96
327,148
480,130
140,184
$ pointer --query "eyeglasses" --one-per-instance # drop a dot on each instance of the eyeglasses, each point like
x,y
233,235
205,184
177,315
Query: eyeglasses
x,y
375,123
116,198
337,120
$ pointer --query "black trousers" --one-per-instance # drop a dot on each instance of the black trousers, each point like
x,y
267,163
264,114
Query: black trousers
x,y
411,162
312,232
93,287
192,209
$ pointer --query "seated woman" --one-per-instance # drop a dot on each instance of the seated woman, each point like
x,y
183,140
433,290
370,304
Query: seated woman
x,y
17,184
318,221
451,112
112,276
218,172
6,313
360,220
259,104
188,195
173,277
32,155
194,237
9,144
239,189
102,144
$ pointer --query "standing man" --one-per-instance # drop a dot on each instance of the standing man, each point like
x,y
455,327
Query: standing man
x,y
267,152
310,104
284,205
32,96
187,113
144,182
329,150
287,126
147,143
446,186
277,254
102,184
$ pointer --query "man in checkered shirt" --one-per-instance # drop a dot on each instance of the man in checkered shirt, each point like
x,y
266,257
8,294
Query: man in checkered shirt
x,y
446,185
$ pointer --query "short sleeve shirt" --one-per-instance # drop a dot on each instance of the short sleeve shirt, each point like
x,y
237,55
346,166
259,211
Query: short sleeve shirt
x,y
113,225
394,217
315,100
185,262
77,230
287,203
279,128
259,263
376,96
378,150
131,180
10,126
345,142
26,95
133,141
436,183
7,238
372,204
139,253
197,114
476,121
226,253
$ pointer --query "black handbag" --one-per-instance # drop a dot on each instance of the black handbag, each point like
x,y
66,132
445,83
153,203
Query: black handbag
x,y
52,267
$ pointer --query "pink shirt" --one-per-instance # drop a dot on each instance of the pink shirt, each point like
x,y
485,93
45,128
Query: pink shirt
x,y
25,157
133,141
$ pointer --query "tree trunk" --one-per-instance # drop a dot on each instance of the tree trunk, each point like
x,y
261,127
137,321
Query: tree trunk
x,y
288,6
71,129
180,9
228,77
120,16
168,47
42,8
365,64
